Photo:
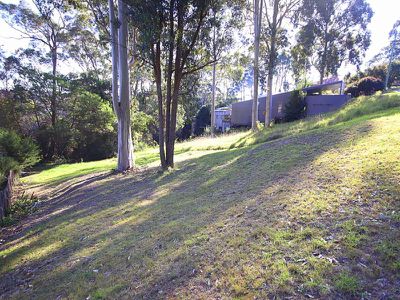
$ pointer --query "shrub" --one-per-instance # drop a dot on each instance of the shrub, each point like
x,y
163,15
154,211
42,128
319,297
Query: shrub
x,y
24,205
16,153
296,107
143,129
203,119
92,127
365,86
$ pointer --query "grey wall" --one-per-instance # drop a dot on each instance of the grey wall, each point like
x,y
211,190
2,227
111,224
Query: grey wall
x,y
321,104
241,113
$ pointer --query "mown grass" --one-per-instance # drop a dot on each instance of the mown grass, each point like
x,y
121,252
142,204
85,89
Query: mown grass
x,y
311,215
373,106
364,107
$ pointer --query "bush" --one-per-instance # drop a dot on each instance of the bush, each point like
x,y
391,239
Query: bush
x,y
20,208
296,107
143,129
92,128
203,119
365,86
16,153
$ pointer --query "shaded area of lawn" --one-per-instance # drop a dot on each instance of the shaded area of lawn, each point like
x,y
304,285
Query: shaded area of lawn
x,y
297,216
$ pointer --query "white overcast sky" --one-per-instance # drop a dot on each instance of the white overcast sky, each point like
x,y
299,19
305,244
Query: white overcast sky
x,y
386,12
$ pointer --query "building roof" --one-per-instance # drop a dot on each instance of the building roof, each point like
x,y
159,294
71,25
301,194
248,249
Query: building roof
x,y
323,87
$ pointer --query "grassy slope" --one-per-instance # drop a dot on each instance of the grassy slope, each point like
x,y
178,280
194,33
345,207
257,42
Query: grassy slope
x,y
373,106
313,212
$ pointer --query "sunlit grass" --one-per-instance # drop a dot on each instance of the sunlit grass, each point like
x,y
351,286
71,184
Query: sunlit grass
x,y
312,215
359,109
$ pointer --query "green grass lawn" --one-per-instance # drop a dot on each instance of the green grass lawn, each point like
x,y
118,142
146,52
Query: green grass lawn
x,y
363,107
304,210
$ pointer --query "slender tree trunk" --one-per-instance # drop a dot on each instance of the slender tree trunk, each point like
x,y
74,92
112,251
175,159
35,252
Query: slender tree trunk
x,y
53,104
177,81
271,65
257,25
114,56
161,121
213,86
389,69
213,102
391,57
170,66
125,145
323,66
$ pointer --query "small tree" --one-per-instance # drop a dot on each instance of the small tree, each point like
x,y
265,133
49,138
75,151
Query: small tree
x,y
295,109
16,153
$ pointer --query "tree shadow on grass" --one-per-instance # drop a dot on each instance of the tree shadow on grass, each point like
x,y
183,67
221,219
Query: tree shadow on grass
x,y
136,236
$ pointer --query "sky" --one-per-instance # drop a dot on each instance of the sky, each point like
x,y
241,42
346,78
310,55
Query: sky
x,y
386,12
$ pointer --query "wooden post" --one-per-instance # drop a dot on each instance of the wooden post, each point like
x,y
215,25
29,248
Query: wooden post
x,y
6,194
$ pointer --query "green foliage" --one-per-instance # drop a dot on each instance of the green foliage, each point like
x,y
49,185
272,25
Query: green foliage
x,y
6,164
378,71
16,153
92,127
23,150
143,127
19,209
203,119
321,41
365,86
295,109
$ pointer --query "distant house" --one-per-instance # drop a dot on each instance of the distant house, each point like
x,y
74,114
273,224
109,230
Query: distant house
x,y
317,103
223,118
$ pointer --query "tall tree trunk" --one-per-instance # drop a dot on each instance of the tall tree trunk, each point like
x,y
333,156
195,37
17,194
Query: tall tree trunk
x,y
175,91
213,102
114,56
271,64
53,104
323,66
170,71
125,145
389,69
257,27
161,121
391,57
213,86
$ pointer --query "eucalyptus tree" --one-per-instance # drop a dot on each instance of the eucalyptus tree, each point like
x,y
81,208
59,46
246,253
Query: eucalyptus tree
x,y
275,37
257,23
394,49
175,38
48,25
333,32
121,83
